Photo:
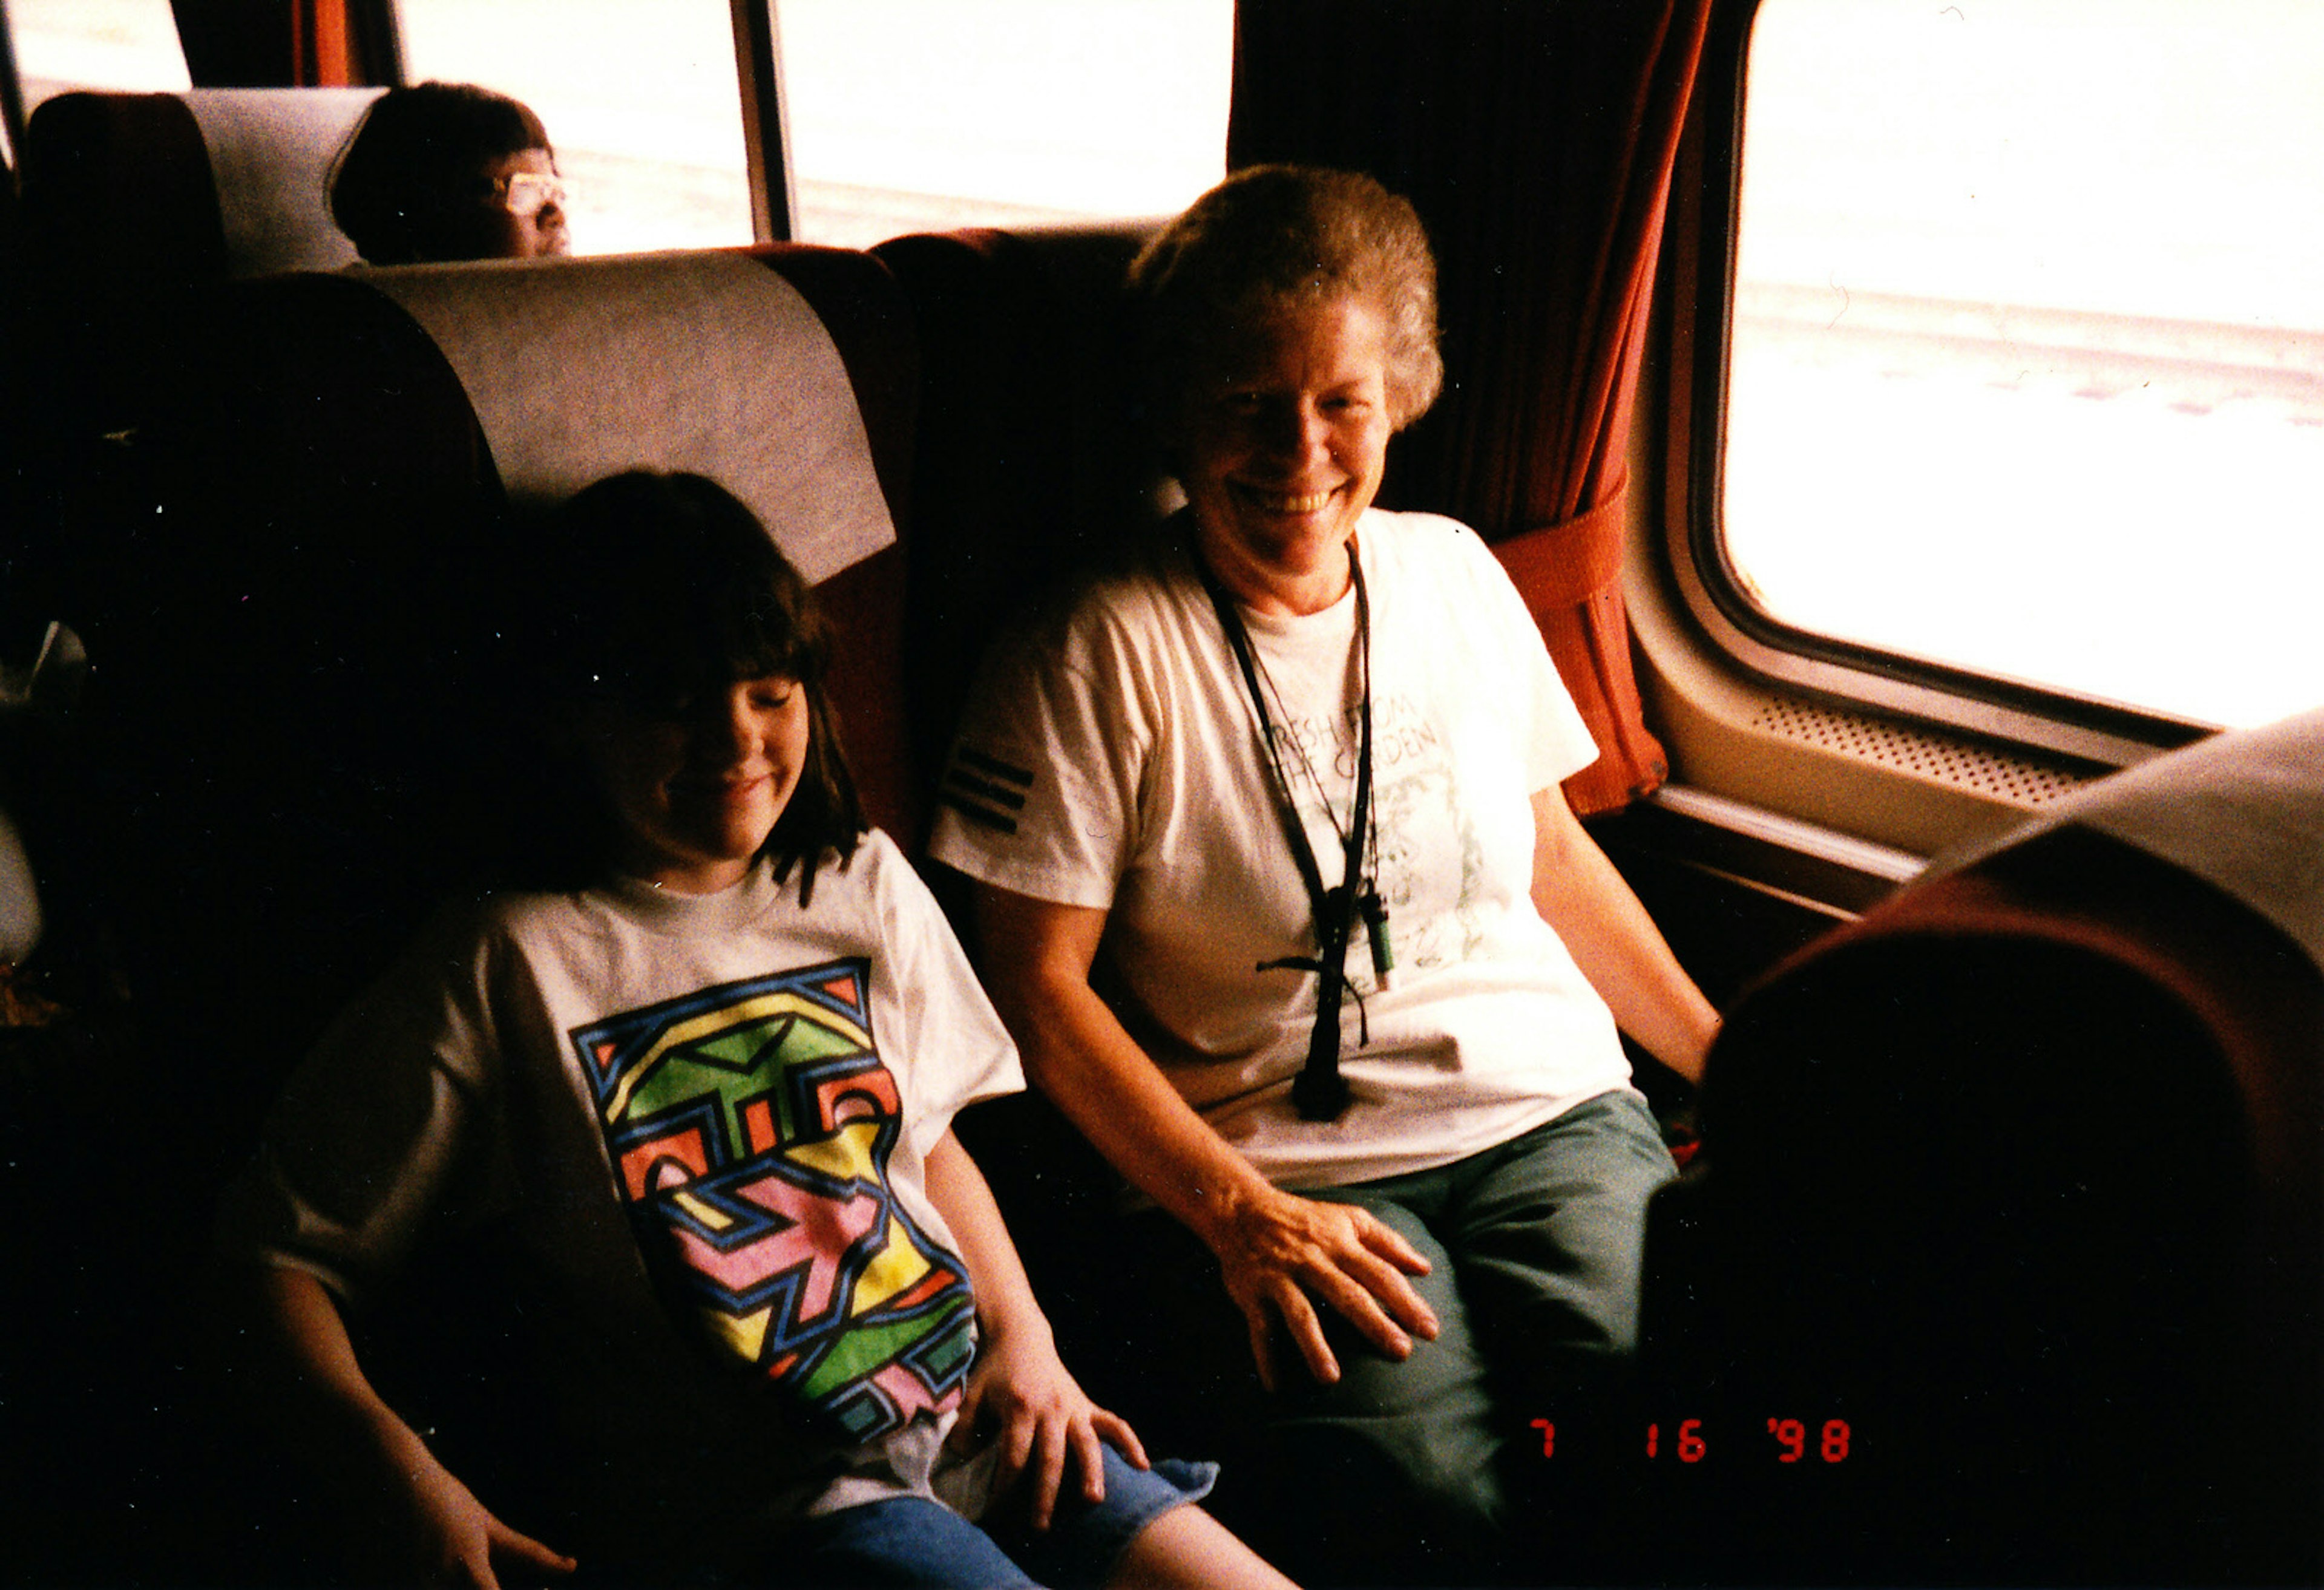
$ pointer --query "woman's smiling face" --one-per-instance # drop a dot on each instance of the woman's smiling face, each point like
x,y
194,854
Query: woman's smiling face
x,y
1284,439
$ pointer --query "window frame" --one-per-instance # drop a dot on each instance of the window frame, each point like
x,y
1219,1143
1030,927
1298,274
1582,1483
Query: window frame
x,y
766,121
1700,272
12,98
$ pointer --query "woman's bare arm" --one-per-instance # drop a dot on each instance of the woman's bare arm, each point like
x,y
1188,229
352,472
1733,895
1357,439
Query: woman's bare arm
x,y
1615,942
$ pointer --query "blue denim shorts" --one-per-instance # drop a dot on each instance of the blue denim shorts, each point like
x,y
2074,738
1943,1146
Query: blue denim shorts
x,y
913,1541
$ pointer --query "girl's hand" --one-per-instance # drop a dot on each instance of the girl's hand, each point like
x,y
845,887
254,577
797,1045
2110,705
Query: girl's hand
x,y
1020,1394
447,1536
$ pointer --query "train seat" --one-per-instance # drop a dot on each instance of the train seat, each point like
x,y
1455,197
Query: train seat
x,y
1026,459
180,188
787,374
2019,1177
281,754
1026,463
285,612
132,202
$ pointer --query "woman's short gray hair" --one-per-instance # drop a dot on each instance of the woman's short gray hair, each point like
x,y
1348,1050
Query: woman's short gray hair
x,y
1270,238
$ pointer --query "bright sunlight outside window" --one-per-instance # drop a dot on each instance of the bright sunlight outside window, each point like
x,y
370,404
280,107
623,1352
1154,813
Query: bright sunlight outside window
x,y
640,97
903,116
113,45
2028,365
913,115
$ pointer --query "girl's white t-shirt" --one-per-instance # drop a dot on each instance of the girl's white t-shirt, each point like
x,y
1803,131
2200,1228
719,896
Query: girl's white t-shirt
x,y
817,1054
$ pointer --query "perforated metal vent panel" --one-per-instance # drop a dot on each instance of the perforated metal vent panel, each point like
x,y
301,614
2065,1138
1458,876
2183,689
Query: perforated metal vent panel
x,y
1942,756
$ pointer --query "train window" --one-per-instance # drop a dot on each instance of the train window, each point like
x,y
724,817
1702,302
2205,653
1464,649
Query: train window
x,y
117,44
910,115
642,102
2026,359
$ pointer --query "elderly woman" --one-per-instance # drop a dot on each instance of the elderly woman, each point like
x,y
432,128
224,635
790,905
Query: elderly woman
x,y
450,171
1287,782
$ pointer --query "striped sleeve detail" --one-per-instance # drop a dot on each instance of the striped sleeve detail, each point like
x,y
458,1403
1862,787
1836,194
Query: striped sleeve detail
x,y
984,789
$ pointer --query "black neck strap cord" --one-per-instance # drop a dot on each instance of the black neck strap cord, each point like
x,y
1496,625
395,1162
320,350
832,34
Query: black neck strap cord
x,y
1319,1093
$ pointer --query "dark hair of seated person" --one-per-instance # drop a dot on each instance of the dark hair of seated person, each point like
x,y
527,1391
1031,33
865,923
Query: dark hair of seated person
x,y
424,177
650,593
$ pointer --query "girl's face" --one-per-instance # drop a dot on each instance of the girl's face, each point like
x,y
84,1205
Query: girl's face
x,y
697,789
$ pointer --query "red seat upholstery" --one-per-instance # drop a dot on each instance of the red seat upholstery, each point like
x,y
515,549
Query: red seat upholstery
x,y
1031,459
1027,455
2019,1175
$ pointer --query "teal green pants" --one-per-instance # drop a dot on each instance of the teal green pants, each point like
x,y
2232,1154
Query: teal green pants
x,y
1434,1470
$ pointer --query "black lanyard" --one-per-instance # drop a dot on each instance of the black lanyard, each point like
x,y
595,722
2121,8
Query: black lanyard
x,y
1320,1093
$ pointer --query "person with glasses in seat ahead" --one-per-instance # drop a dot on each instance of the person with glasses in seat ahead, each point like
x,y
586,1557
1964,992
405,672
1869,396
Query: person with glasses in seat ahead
x,y
450,171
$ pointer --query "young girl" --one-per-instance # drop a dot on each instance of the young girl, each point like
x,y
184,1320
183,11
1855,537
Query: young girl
x,y
701,1100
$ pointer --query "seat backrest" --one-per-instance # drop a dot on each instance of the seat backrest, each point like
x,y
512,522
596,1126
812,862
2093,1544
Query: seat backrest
x,y
1028,454
270,152
133,201
1031,459
2020,1173
788,376
179,189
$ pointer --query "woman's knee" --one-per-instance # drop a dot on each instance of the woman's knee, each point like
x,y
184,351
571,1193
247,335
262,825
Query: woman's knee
x,y
1552,1240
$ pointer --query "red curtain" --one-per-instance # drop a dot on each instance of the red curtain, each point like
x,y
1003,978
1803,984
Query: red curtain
x,y
320,44
287,43
1536,141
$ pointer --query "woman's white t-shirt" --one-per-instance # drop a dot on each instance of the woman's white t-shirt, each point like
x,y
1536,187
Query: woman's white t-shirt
x,y
1112,758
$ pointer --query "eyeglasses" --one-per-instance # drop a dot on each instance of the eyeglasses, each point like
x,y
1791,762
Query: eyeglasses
x,y
525,194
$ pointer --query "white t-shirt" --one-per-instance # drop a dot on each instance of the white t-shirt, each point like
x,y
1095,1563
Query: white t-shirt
x,y
700,1123
1112,758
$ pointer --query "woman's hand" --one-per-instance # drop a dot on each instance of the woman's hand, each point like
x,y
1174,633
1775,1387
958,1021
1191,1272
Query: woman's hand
x,y
1278,1248
1021,1395
1275,1248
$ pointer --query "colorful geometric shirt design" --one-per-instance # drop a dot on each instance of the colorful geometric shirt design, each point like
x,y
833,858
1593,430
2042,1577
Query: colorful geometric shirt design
x,y
751,1126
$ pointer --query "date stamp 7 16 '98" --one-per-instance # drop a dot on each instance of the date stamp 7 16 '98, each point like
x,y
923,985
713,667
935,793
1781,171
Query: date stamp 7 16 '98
x,y
1788,1441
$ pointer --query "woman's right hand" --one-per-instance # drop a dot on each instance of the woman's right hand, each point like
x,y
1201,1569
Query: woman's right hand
x,y
1280,1252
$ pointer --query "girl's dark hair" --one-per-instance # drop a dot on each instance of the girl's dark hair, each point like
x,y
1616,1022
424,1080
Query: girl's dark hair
x,y
406,188
654,590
